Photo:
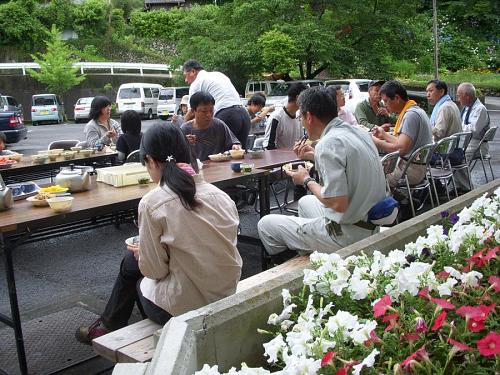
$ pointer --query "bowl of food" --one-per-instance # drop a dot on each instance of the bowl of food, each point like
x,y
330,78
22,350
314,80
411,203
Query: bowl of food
x,y
16,157
53,157
40,200
219,157
86,153
247,167
76,148
40,159
295,165
67,155
132,241
256,154
60,204
55,151
237,154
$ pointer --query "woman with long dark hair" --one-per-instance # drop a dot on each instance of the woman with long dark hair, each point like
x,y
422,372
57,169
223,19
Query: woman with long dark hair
x,y
101,129
186,256
130,140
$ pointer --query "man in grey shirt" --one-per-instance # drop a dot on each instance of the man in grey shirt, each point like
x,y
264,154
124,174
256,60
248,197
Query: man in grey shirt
x,y
207,135
412,131
351,183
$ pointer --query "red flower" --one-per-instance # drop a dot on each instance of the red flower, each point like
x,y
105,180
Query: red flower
x,y
438,323
381,306
373,339
444,304
475,325
392,319
466,268
342,371
485,310
443,275
489,345
424,293
491,253
410,337
458,345
419,354
477,258
495,283
347,367
469,312
327,358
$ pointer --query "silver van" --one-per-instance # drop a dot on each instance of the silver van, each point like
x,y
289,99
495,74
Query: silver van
x,y
47,108
139,97
169,100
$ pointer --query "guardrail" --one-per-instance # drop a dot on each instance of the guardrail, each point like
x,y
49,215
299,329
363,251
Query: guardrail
x,y
83,66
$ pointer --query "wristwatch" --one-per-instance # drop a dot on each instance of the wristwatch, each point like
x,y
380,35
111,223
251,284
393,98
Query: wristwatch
x,y
306,181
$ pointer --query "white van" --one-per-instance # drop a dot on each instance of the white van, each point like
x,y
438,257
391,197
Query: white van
x,y
169,100
139,97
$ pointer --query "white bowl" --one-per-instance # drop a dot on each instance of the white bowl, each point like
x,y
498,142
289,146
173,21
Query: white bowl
x,y
237,154
132,241
60,204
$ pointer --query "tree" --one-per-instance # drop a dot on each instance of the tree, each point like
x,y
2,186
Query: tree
x,y
56,65
277,49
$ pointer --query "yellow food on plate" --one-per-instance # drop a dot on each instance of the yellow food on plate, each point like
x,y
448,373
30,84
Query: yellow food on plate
x,y
53,189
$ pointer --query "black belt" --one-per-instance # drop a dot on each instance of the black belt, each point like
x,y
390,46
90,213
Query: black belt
x,y
365,225
334,228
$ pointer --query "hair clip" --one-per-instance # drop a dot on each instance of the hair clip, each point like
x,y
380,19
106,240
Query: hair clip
x,y
169,159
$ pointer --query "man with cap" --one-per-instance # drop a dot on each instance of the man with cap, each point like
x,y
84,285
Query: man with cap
x,y
372,112
228,106
445,117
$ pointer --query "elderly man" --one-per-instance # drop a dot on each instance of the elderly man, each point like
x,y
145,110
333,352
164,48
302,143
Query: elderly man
x,y
371,112
351,183
475,119
445,117
412,131
228,106
207,135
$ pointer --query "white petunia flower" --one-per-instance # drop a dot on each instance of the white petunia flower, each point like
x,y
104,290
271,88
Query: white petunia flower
x,y
471,279
369,361
287,297
445,289
453,272
359,288
395,259
362,333
343,321
273,348
409,279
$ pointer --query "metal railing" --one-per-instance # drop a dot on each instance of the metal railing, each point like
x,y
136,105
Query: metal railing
x,y
83,66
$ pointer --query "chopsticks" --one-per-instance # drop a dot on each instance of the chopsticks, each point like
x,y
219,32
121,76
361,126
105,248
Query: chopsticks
x,y
303,140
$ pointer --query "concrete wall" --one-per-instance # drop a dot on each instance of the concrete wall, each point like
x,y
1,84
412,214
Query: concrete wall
x,y
225,332
23,87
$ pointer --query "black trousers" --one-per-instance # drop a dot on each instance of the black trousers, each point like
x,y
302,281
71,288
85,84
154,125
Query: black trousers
x,y
238,120
126,292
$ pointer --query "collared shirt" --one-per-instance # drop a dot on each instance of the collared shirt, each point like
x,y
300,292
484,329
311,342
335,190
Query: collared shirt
x,y
448,121
188,257
96,133
478,120
367,117
283,129
348,165
219,86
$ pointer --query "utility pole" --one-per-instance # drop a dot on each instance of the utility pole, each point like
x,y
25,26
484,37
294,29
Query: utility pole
x,y
436,42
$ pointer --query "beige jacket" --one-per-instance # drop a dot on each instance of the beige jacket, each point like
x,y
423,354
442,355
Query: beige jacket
x,y
189,258
448,121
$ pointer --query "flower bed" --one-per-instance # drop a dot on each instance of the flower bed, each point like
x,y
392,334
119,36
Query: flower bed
x,y
430,308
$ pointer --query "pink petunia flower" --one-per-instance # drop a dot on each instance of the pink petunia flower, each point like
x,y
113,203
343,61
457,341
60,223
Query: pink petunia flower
x,y
458,345
381,306
419,354
410,337
438,323
489,345
474,325
491,253
424,293
478,258
327,358
469,312
443,274
442,303
392,319
374,339
495,283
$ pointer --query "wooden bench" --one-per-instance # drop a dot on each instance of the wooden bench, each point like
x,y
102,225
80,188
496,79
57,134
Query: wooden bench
x,y
137,342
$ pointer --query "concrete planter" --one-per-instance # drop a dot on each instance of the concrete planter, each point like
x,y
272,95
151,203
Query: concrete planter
x,y
225,332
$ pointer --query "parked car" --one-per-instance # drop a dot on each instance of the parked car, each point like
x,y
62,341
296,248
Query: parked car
x,y
355,90
139,97
12,125
47,108
169,100
278,94
266,87
82,109
9,103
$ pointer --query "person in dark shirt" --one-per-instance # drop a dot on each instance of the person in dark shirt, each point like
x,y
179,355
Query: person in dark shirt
x,y
207,135
130,140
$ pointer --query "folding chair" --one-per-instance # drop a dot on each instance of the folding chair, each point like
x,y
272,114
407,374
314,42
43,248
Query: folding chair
x,y
444,148
65,144
389,163
478,153
421,156
250,142
463,140
133,157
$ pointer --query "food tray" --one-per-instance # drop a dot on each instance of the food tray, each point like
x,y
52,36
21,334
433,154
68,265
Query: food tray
x,y
123,175
17,192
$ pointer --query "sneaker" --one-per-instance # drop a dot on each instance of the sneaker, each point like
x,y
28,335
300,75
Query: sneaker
x,y
85,334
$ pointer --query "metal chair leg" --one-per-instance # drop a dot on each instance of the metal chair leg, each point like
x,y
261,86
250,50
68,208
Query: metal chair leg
x,y
470,179
410,196
484,168
491,170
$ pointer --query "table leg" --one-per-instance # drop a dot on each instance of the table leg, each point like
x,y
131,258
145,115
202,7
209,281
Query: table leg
x,y
265,209
15,321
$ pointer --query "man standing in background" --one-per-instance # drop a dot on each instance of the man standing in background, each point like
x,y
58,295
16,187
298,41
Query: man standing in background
x,y
228,106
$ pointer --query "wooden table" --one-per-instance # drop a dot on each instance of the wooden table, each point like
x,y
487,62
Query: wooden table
x,y
23,220
27,170
270,160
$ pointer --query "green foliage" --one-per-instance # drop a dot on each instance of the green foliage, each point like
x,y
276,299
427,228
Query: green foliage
x,y
277,49
158,24
57,12
91,18
56,70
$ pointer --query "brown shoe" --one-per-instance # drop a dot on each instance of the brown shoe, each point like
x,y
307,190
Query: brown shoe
x,y
85,334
